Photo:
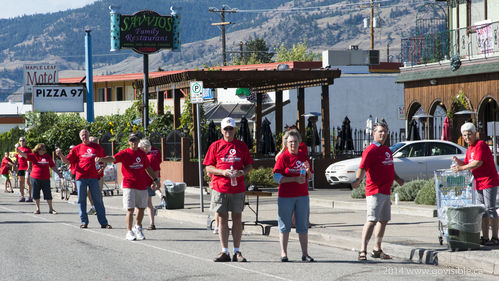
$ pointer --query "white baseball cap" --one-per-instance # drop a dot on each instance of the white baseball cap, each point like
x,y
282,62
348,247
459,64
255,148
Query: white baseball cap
x,y
228,122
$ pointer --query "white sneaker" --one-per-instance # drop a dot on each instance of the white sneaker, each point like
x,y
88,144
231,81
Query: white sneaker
x,y
138,233
130,236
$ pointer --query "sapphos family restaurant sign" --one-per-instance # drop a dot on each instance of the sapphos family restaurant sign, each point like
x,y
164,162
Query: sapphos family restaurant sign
x,y
145,32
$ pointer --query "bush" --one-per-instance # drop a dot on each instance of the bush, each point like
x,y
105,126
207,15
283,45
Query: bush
x,y
427,194
360,192
409,190
262,177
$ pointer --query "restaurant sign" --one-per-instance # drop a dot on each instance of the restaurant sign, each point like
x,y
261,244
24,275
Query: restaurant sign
x,y
145,32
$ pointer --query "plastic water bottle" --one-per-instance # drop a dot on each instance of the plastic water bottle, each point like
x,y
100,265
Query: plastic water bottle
x,y
303,171
453,162
233,179
208,223
396,198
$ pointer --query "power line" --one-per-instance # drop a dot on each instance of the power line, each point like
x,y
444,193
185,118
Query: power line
x,y
223,23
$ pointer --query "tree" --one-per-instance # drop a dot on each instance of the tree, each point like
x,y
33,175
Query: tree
x,y
299,52
256,51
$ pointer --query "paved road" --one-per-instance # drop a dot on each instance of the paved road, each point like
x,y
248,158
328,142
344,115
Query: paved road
x,y
52,247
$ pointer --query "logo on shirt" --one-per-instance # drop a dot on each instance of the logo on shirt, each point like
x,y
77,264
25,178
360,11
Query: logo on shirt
x,y
90,153
43,161
388,159
231,157
137,164
472,154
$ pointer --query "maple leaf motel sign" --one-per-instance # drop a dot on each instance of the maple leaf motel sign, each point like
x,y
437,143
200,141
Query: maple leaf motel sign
x,y
145,32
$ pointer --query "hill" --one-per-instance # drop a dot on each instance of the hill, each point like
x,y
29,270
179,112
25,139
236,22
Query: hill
x,y
59,37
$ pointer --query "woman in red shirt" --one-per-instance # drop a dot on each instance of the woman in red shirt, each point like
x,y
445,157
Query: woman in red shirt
x,y
40,174
480,161
291,172
5,170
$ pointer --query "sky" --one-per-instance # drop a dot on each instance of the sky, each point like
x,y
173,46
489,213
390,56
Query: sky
x,y
14,8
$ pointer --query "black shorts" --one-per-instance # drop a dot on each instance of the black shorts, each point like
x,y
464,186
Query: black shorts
x,y
44,186
21,173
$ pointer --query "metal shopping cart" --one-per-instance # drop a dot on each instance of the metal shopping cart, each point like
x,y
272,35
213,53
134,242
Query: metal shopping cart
x,y
452,190
110,180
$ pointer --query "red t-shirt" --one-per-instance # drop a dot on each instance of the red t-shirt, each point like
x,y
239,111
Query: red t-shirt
x,y
289,165
41,165
378,163
22,162
5,168
83,156
485,175
154,157
133,168
222,155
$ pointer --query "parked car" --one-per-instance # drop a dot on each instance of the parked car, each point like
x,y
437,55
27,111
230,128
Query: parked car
x,y
412,160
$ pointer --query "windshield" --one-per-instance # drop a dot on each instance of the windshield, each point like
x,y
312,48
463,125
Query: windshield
x,y
396,146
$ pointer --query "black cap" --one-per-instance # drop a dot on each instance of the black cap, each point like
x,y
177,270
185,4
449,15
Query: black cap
x,y
133,138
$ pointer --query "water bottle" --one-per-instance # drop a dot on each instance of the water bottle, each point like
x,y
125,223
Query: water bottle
x,y
303,171
233,179
208,223
396,198
453,162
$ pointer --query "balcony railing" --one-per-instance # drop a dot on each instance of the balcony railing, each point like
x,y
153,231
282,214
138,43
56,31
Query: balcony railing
x,y
473,42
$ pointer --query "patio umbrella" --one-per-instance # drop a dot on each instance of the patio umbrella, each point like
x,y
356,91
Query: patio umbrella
x,y
244,132
346,130
266,144
312,135
413,131
446,131
212,134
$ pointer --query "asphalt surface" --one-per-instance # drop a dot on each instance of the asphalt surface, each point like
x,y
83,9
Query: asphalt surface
x,y
53,247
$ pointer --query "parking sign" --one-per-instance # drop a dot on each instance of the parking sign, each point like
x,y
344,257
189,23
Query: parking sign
x,y
197,92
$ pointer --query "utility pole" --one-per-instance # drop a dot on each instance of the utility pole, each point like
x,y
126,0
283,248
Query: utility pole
x,y
222,23
371,20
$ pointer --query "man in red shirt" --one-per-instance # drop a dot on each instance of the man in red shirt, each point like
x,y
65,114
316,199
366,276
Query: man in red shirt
x,y
23,168
228,160
83,156
137,176
377,163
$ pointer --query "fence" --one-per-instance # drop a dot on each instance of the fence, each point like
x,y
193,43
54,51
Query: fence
x,y
469,42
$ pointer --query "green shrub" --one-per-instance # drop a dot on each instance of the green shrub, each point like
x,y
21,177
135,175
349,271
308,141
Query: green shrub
x,y
262,177
360,192
409,190
427,194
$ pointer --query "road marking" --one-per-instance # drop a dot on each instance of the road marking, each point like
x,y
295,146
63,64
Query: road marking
x,y
145,244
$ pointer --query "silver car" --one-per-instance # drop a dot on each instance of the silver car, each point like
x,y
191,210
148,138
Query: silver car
x,y
412,160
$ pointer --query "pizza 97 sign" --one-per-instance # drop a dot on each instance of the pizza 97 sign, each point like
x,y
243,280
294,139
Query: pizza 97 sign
x,y
56,98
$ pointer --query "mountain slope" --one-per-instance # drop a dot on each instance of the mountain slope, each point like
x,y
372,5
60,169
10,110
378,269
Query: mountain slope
x,y
324,24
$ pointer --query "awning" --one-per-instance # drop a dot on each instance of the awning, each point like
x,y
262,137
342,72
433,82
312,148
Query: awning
x,y
262,81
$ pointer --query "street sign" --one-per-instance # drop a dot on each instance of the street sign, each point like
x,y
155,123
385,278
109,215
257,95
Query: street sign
x,y
58,98
208,94
196,92
34,74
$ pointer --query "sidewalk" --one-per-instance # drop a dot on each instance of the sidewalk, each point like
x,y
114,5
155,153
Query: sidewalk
x,y
337,221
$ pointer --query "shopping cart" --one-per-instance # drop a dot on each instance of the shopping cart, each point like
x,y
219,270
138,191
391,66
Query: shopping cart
x,y
453,189
110,181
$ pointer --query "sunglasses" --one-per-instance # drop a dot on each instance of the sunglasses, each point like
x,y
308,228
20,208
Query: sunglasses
x,y
228,128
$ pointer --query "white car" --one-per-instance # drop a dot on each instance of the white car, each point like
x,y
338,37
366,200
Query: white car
x,y
412,160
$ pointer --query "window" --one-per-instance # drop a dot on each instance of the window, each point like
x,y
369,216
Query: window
x,y
169,94
442,149
119,93
109,94
412,150
101,94
475,11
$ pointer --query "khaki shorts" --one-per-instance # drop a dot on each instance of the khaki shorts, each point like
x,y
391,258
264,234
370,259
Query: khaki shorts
x,y
134,198
227,202
378,207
